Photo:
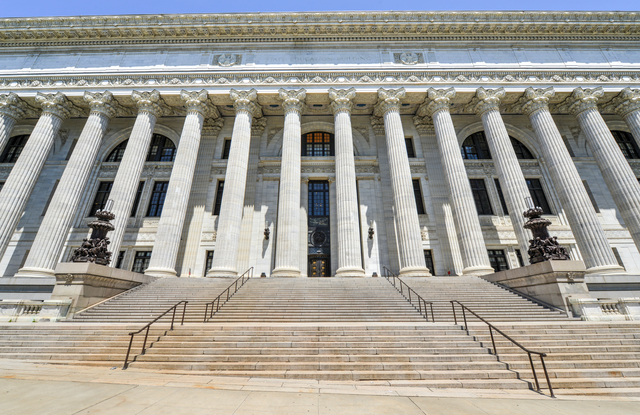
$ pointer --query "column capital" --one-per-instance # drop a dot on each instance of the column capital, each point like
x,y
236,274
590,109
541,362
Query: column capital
x,y
342,99
246,101
388,100
292,100
424,125
212,126
581,100
378,125
197,101
535,99
56,104
101,103
437,100
257,126
627,101
150,102
487,100
12,106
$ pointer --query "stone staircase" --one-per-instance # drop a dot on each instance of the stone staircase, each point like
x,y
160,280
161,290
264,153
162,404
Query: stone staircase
x,y
142,304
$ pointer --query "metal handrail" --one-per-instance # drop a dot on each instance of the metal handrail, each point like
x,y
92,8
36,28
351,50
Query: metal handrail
x,y
243,278
144,345
422,303
495,352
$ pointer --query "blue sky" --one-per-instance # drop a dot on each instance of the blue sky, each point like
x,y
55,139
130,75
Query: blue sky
x,y
29,8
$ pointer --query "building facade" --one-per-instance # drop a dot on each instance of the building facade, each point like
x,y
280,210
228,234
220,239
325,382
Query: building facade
x,y
319,144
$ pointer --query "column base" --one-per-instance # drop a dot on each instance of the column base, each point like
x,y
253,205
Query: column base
x,y
414,272
478,270
221,273
35,273
350,272
607,270
284,272
161,272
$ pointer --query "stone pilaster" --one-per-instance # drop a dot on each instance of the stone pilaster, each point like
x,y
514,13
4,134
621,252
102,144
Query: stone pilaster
x,y
621,181
125,185
288,226
406,214
514,186
627,105
349,248
52,234
590,237
474,252
167,243
228,233
26,171
12,109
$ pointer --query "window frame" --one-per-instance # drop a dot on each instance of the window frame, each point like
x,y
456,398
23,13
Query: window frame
x,y
145,259
10,151
494,255
481,209
546,207
323,145
627,144
154,209
217,203
417,193
107,193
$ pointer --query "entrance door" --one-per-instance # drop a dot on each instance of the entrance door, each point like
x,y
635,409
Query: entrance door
x,y
319,243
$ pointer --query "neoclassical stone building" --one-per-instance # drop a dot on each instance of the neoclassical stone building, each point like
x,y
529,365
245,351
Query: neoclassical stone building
x,y
320,144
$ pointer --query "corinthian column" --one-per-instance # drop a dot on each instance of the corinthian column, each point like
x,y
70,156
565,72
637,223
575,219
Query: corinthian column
x,y
288,227
349,249
53,232
125,185
627,105
230,218
12,109
167,243
617,173
404,202
25,173
593,244
475,259
514,187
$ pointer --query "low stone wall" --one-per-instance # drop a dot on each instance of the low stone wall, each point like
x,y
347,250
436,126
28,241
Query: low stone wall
x,y
33,310
552,282
616,309
86,284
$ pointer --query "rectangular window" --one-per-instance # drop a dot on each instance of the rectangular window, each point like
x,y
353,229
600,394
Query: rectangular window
x,y
497,260
568,146
501,196
537,194
226,149
218,202
209,261
591,198
141,261
411,152
618,258
481,197
157,199
120,259
102,195
53,192
428,258
417,192
318,198
136,201
519,256
71,148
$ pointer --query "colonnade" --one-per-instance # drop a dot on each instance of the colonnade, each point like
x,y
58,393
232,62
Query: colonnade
x,y
586,228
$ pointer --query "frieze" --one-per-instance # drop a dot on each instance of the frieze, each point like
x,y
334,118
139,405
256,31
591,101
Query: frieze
x,y
209,236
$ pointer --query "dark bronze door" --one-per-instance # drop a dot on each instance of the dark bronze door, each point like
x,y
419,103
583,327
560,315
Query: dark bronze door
x,y
319,266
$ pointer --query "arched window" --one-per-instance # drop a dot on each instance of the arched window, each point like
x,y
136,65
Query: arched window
x,y
627,144
14,149
475,147
161,149
317,144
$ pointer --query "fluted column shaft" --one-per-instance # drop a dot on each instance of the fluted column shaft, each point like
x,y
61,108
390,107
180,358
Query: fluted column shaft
x,y
125,185
349,248
225,256
53,232
627,105
12,109
174,211
26,171
514,187
590,237
288,226
6,126
633,121
475,258
412,261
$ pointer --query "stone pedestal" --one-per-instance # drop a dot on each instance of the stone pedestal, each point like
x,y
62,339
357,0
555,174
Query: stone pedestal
x,y
552,282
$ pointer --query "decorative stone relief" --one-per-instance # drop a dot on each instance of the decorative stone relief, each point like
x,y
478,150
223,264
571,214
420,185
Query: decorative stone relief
x,y
408,58
227,59
209,236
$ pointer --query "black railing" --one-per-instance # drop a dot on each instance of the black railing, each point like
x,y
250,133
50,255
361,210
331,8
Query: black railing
x,y
493,328
146,335
410,294
215,305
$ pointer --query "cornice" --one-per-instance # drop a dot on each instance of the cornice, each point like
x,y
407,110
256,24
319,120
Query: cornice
x,y
319,27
